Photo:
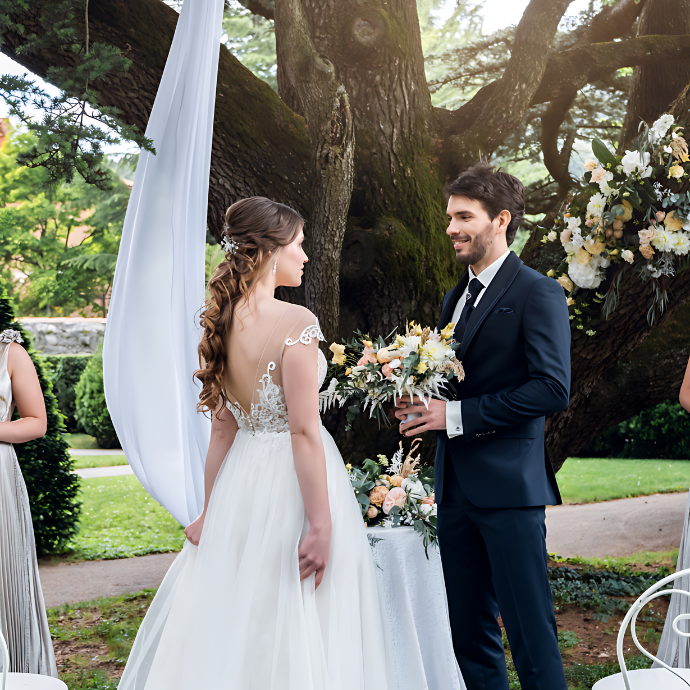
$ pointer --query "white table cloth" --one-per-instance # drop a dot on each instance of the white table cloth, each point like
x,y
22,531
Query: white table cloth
x,y
413,593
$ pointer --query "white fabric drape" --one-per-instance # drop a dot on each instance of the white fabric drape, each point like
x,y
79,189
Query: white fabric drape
x,y
150,349
674,649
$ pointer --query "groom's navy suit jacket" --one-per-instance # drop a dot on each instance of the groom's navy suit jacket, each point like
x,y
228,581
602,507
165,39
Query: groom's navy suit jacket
x,y
516,355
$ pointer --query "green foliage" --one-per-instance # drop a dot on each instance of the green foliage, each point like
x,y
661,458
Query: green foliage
x,y
660,432
36,225
120,520
45,462
64,372
585,676
566,639
602,591
72,130
589,480
91,410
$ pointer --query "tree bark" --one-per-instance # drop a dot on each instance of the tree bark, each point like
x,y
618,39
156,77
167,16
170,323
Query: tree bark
x,y
655,85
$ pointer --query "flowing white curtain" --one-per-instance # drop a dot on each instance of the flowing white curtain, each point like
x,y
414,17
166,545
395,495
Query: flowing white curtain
x,y
150,350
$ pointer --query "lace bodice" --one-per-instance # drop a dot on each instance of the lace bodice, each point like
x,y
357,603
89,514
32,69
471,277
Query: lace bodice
x,y
270,415
6,405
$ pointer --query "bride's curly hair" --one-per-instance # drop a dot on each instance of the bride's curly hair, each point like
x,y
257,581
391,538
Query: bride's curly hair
x,y
253,227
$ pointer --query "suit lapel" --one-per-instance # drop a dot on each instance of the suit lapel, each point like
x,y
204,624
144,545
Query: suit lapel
x,y
452,299
501,282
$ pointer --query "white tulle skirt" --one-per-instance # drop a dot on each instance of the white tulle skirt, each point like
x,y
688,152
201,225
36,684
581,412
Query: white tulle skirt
x,y
232,612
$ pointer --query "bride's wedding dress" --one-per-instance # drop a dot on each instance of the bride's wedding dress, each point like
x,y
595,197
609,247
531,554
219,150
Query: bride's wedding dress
x,y
232,612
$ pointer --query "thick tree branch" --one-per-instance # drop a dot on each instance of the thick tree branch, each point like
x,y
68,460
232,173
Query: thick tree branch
x,y
263,8
255,133
572,70
513,93
614,21
326,107
556,161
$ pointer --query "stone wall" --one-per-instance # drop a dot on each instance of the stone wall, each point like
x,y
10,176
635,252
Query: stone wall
x,y
58,336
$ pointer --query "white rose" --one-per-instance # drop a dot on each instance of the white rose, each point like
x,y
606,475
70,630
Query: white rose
x,y
628,256
589,275
552,236
681,243
663,240
433,511
661,126
634,163
573,223
595,207
414,487
424,510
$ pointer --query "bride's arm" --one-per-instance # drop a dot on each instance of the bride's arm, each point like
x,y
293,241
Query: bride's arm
x,y
685,390
301,386
27,394
223,430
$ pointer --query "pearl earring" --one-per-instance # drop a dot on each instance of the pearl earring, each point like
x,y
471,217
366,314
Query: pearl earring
x,y
275,266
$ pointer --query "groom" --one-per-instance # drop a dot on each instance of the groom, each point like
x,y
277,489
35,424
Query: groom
x,y
493,473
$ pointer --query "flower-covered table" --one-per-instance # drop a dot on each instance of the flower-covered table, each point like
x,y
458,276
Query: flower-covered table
x,y
413,593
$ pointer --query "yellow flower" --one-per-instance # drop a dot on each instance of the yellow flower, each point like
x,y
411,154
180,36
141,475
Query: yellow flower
x,y
421,367
447,332
595,248
348,466
551,273
566,283
673,222
582,256
400,339
417,329
368,343
676,171
627,214
338,353
348,371
570,301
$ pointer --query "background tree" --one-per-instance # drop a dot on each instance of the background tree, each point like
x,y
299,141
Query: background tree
x,y
353,111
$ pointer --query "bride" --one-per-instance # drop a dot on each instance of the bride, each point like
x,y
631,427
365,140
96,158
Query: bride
x,y
275,588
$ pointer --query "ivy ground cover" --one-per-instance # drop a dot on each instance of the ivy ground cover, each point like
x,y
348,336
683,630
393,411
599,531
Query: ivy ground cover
x,y
583,480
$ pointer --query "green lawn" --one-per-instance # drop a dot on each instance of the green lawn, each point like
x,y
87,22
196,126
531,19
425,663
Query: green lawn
x,y
83,461
119,519
585,480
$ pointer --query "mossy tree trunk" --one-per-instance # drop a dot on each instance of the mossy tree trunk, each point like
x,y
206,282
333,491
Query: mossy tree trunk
x,y
354,113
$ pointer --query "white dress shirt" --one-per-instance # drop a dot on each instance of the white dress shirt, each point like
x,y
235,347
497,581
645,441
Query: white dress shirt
x,y
453,408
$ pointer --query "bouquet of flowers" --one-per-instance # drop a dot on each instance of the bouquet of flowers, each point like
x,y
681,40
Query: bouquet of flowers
x,y
398,496
370,373
633,212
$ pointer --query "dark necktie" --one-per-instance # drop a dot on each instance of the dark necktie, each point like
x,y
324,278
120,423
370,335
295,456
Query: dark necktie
x,y
473,290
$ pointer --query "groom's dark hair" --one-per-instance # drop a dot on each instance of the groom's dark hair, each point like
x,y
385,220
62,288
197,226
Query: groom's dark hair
x,y
495,190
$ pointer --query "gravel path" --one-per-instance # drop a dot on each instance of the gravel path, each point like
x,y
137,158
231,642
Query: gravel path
x,y
114,471
617,528
613,528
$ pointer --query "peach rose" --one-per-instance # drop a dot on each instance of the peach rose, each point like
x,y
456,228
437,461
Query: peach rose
x,y
660,215
395,497
368,357
386,354
428,501
590,164
372,512
646,251
598,174
386,370
646,236
566,236
378,495
396,480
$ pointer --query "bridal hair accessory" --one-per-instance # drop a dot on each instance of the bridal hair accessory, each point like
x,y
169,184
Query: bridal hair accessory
x,y
11,336
230,245
275,266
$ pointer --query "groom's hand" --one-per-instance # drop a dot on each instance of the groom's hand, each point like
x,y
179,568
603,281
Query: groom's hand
x,y
432,419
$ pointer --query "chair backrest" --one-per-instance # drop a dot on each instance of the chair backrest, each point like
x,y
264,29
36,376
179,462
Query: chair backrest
x,y
5,659
631,619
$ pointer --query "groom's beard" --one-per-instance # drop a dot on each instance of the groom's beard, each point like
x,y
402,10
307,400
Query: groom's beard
x,y
478,247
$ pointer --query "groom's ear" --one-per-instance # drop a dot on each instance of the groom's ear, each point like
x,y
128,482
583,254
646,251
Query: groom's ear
x,y
503,218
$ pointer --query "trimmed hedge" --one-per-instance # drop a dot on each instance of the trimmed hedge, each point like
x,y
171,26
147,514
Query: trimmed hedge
x,y
92,412
45,463
660,432
65,372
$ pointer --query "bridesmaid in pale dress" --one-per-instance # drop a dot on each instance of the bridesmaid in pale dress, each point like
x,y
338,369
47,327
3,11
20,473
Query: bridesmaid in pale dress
x,y
22,613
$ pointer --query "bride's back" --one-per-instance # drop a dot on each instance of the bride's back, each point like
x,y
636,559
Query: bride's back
x,y
258,335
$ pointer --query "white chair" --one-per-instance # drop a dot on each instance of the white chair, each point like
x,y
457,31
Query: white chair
x,y
665,678
25,681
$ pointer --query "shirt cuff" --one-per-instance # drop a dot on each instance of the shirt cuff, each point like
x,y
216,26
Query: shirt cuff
x,y
454,419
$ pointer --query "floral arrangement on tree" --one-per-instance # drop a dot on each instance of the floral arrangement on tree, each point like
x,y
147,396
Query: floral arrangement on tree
x,y
633,213
397,496
370,373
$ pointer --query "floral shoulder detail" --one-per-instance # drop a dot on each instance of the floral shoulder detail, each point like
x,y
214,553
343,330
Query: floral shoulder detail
x,y
308,334
9,335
